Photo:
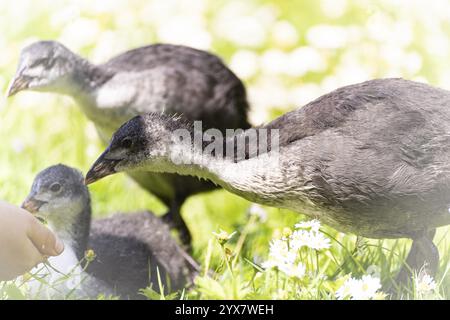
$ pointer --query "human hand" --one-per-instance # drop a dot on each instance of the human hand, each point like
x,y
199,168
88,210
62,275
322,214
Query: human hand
x,y
24,242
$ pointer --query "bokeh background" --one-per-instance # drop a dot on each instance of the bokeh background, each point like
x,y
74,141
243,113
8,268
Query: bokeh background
x,y
287,52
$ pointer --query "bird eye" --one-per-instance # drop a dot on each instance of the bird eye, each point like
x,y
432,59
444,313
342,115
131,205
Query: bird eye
x,y
38,62
55,187
126,143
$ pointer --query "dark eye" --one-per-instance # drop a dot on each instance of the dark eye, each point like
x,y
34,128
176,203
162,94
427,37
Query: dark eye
x,y
38,62
126,143
55,187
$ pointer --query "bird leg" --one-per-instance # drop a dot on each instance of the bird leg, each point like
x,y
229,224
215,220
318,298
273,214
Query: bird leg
x,y
423,256
175,221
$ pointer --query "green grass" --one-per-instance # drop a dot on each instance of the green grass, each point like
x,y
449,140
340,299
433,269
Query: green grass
x,y
39,130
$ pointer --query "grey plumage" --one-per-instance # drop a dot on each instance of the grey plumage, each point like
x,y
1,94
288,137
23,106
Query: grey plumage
x,y
130,248
156,78
370,158
138,242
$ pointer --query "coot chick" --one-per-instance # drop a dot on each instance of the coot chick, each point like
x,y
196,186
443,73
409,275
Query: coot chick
x,y
372,159
130,249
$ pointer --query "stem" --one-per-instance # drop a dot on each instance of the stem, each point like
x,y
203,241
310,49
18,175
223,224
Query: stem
x,y
241,240
208,257
317,263
276,279
227,261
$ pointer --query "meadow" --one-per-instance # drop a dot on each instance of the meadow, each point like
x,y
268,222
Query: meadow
x,y
287,53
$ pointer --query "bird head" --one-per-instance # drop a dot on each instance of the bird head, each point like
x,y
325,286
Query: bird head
x,y
57,195
142,143
43,66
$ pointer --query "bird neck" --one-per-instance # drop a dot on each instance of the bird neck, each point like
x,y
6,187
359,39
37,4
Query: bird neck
x,y
75,232
84,79
254,175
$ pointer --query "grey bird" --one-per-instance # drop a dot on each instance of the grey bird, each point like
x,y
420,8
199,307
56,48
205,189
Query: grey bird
x,y
130,249
371,159
160,78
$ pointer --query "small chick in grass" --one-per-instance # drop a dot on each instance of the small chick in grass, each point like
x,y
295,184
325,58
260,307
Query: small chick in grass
x,y
132,251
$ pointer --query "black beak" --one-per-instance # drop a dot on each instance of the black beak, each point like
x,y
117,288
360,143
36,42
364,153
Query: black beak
x,y
19,83
32,205
103,167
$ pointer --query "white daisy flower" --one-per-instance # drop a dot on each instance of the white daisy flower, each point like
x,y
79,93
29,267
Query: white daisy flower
x,y
318,241
223,236
425,283
368,288
279,255
345,291
364,289
297,270
299,239
310,239
313,225
257,210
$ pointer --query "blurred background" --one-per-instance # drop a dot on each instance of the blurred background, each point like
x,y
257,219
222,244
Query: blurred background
x,y
286,52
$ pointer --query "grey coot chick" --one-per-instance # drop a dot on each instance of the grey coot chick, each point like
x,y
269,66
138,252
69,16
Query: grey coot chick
x,y
371,159
130,248
156,78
